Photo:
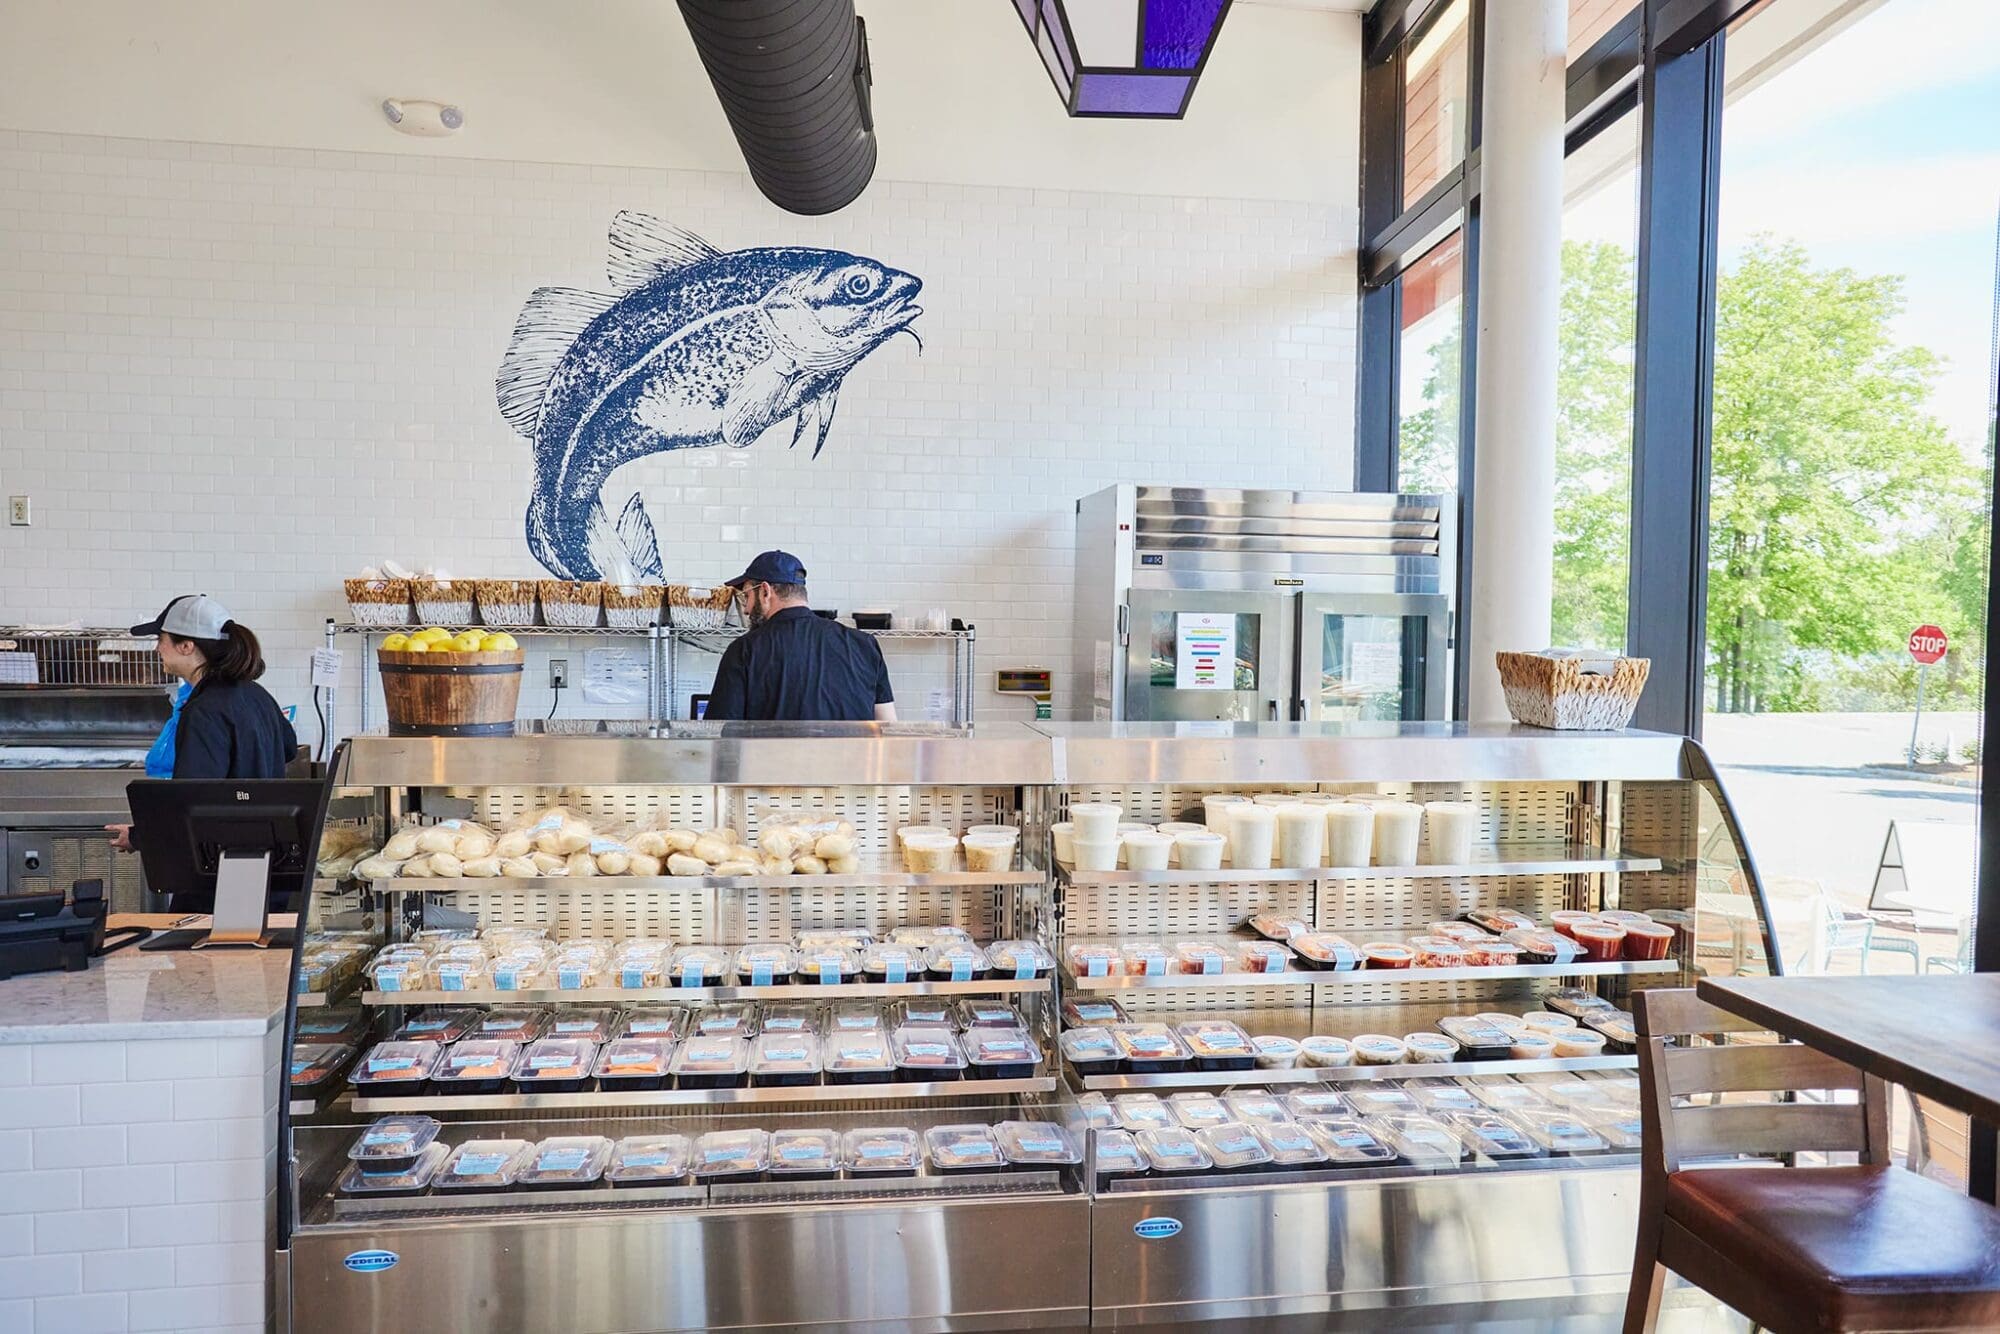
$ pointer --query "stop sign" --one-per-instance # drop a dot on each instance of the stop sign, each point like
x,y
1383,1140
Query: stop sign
x,y
1927,644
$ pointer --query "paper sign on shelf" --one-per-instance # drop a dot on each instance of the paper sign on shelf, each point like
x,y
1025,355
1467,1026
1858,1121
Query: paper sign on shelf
x,y
614,676
1205,650
325,668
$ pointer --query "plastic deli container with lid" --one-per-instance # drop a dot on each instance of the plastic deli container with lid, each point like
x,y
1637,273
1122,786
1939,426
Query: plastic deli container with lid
x,y
1253,836
566,1162
1095,820
484,1164
1275,1051
1350,833
1200,849
1500,920
1322,1052
1061,833
399,972
653,1021
766,965
1145,958
1546,1021
1301,835
392,1069
1308,1103
1477,1039
719,1062
1000,1053
857,1056
699,966
1262,956
1091,1051
924,1012
1093,1110
638,1064
732,1019
1382,1100
1092,1011
315,1064
1621,1127
1349,1142
1544,947
1141,1111
1422,1140
929,854
784,1060
1091,960
1147,849
648,1160
1201,957
1233,1147
1197,1110
805,1155
1151,1049
852,1016
1430,1048
788,1017
859,938
638,964
1399,829
1118,1154
476,1065
1276,926
880,1151
1565,920
1095,854
1019,959
895,964
1602,942
1255,1107
1491,1135
392,1143
1037,1144
968,1148
1576,1002
1510,1024
1289,1144
460,972
924,1055
987,849
1620,1037
1574,1043
1217,1044
731,1155
1441,1095
828,965
1504,1095
1380,1049
1172,1149
1647,940
413,1177
979,1012
1437,952
1491,952
958,962
1528,1046
591,1025
1559,1132
555,1065
1388,954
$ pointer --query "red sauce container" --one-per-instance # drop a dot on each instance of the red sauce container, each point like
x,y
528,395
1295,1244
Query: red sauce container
x,y
1566,920
1647,940
1602,941
1384,954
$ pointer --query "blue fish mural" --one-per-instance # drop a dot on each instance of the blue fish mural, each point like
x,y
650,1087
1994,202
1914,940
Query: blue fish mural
x,y
696,347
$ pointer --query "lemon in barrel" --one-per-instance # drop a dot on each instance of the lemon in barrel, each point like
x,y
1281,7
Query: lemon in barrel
x,y
468,642
417,645
499,643
395,643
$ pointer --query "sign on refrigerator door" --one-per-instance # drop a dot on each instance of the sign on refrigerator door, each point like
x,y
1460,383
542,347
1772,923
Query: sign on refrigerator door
x,y
1205,651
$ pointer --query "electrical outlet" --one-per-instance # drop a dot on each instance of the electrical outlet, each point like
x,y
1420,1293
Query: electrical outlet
x,y
558,673
18,512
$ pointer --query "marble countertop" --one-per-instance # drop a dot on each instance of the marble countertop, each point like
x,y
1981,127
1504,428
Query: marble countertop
x,y
171,994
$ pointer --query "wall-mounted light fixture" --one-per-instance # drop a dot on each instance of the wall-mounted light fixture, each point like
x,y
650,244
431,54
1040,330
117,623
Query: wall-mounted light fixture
x,y
1131,58
422,117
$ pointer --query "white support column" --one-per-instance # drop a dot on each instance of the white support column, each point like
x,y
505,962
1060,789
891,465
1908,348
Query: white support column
x,y
1520,273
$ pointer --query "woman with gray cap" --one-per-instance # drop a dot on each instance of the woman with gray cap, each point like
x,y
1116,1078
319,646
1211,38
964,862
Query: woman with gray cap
x,y
230,727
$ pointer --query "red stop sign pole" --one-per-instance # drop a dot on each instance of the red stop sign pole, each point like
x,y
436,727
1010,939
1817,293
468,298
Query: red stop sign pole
x,y
1927,644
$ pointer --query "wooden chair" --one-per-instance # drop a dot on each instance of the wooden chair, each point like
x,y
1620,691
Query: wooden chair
x,y
1869,1247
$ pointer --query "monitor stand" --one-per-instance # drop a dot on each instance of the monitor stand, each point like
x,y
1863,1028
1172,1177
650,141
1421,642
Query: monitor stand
x,y
242,898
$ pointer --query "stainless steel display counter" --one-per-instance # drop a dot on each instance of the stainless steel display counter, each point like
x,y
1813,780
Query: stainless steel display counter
x,y
1628,821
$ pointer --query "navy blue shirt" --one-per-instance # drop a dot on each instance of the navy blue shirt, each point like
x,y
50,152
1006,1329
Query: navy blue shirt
x,y
232,730
798,667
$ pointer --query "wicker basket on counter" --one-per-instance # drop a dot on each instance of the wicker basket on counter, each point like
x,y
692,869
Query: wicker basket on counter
x,y
443,601
1556,692
696,608
579,606
378,601
506,601
634,606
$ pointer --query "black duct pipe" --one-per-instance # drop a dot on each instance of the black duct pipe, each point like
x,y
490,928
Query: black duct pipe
x,y
793,78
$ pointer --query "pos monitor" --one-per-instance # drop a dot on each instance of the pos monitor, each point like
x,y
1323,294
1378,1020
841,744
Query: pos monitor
x,y
240,850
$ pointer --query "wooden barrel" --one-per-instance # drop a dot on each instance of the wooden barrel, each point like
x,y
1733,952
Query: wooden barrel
x,y
452,694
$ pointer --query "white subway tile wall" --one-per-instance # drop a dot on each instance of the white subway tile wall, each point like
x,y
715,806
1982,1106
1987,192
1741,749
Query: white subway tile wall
x,y
156,1219
253,371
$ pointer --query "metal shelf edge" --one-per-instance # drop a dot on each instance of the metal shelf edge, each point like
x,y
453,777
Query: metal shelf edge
x,y
1564,861
1348,1073
872,879
816,1093
1365,976
792,991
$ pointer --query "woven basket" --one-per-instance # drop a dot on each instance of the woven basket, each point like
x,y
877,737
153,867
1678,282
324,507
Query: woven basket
x,y
634,606
1555,693
699,608
506,601
443,601
577,605
378,601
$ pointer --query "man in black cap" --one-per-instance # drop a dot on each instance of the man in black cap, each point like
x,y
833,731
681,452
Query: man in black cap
x,y
791,665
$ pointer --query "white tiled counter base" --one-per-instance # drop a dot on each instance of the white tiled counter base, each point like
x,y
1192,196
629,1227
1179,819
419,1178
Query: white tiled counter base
x,y
137,1174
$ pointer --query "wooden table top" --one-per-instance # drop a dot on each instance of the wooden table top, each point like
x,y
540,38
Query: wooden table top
x,y
1938,1035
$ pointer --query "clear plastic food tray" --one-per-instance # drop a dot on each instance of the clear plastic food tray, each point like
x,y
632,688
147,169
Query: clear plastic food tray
x,y
522,1023
730,1019
783,1060
1000,1053
895,964
1289,1144
978,1012
654,1021
566,1160
436,1026
1316,1102
924,1012
731,1153
957,961
789,1017
861,1056
1233,1147
1037,1144
1172,1149
484,1164
394,1067
805,1153
711,1062
1118,1154
592,1025
1197,1111
412,1177
1492,1135
1019,959
1255,1106
392,1142
477,1065
1142,1111
1421,1140
648,1160
881,1150
854,1016
967,1148
1349,1142
1092,1012
766,965
925,1053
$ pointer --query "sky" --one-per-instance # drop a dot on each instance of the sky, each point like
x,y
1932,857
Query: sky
x,y
1878,149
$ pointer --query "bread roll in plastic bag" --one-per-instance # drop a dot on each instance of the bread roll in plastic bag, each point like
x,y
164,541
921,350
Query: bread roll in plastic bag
x,y
808,866
780,840
402,844
712,849
519,868
740,866
650,842
377,867
474,842
437,838
612,855
548,863
770,864
848,865
831,846
445,866
513,843
641,864
482,868
582,863
681,863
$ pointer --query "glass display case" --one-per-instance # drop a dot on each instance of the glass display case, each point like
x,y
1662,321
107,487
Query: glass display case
x,y
810,1024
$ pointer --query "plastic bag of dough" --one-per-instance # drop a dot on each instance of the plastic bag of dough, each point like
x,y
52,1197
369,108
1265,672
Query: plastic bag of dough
x,y
641,864
774,865
548,863
445,866
808,866
740,866
848,865
513,843
483,868
519,868
474,841
402,844
682,863
437,837
831,846
582,863
780,840
713,850
377,867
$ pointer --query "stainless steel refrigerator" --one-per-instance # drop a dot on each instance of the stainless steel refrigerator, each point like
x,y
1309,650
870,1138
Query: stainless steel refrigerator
x,y
1197,603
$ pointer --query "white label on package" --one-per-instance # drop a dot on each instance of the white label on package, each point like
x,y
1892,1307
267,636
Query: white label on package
x,y
1204,650
614,676
325,668
1375,666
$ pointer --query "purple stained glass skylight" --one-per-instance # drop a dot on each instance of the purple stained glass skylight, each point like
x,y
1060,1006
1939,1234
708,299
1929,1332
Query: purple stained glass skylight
x,y
1131,94
1178,31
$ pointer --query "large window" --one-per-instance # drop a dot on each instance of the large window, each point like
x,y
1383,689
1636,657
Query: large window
x,y
1429,395
1436,91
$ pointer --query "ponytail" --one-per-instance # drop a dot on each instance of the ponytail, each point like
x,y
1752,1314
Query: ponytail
x,y
237,656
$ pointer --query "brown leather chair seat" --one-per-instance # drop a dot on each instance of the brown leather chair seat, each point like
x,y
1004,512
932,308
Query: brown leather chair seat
x,y
1862,1247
